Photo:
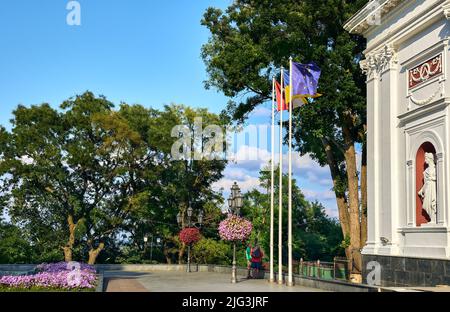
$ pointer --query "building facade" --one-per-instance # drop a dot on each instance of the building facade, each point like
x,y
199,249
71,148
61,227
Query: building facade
x,y
408,96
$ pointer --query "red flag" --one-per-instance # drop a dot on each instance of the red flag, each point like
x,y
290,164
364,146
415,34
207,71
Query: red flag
x,y
281,103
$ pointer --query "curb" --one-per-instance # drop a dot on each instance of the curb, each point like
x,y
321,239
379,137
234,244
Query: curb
x,y
100,284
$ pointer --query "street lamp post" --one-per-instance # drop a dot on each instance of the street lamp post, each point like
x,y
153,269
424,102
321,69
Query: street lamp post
x,y
146,238
151,250
189,223
145,245
235,202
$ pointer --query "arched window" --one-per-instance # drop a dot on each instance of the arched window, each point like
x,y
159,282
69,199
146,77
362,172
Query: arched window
x,y
421,215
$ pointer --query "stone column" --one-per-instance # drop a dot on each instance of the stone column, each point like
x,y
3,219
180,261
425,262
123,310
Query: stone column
x,y
368,66
393,206
382,144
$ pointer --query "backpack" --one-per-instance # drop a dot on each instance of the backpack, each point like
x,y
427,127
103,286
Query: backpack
x,y
256,253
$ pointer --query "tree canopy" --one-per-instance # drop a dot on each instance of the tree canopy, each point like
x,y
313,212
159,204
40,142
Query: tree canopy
x,y
249,43
81,175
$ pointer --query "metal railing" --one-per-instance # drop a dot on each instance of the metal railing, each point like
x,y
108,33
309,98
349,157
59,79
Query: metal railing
x,y
336,270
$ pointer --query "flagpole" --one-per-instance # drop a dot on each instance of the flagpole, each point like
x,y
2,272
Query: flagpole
x,y
280,191
272,167
290,281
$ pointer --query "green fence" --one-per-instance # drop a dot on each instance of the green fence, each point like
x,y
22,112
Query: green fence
x,y
337,270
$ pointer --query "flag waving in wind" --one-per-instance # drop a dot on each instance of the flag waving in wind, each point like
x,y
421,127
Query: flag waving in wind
x,y
305,81
281,99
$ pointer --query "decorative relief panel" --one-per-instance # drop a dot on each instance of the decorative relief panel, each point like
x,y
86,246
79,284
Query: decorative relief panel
x,y
426,81
425,71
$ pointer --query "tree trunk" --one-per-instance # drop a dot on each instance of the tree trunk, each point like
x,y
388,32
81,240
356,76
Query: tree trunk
x,y
181,254
364,195
183,225
168,256
341,200
93,253
353,200
67,253
69,246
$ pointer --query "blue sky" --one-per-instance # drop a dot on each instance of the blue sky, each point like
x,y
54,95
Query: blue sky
x,y
138,51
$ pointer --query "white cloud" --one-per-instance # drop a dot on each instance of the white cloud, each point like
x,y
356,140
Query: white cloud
x,y
306,164
261,112
332,212
314,180
235,173
254,159
318,195
247,183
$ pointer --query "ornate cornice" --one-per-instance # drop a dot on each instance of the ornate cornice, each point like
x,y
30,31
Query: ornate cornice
x,y
370,15
446,9
379,61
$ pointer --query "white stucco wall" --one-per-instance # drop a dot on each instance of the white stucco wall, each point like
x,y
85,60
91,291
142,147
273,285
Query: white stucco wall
x,y
400,120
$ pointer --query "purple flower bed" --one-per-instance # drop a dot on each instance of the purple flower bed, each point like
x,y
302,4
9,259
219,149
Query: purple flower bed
x,y
63,276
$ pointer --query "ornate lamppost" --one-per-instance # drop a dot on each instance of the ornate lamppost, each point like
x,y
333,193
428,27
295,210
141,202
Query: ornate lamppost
x,y
146,237
190,225
145,245
235,202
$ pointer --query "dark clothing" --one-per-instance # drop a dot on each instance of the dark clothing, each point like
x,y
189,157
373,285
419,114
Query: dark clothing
x,y
259,259
257,265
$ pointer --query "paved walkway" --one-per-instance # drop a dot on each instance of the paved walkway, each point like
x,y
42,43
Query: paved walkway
x,y
124,285
118,281
442,288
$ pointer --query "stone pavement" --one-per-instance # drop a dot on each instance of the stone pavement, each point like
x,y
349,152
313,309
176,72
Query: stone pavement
x,y
119,281
440,288
124,285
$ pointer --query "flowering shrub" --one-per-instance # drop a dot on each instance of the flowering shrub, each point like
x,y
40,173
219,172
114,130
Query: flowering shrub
x,y
190,235
63,276
235,228
64,266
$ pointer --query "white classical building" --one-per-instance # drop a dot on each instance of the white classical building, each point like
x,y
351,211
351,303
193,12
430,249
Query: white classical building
x,y
408,96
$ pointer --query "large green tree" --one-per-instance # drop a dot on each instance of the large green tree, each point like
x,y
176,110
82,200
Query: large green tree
x,y
175,184
71,172
76,177
252,39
